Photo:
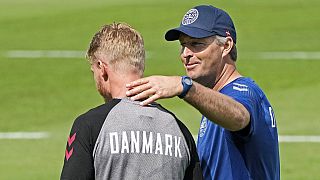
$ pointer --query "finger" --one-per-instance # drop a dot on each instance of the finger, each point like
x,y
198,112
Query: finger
x,y
137,83
143,95
151,99
138,89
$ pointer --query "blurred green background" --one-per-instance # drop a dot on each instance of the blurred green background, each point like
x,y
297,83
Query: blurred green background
x,y
46,94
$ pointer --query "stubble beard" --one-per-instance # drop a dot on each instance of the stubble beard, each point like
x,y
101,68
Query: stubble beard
x,y
103,92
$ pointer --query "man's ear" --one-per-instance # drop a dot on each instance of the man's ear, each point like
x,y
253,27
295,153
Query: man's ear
x,y
227,46
103,67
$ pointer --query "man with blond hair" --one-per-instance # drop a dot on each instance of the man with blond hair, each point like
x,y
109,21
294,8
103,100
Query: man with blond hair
x,y
121,139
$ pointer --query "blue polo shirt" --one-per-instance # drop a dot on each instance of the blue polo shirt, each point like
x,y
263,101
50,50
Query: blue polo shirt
x,y
251,153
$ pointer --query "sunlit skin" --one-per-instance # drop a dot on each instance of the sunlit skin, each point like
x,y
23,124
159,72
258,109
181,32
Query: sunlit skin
x,y
208,64
202,59
110,82
98,69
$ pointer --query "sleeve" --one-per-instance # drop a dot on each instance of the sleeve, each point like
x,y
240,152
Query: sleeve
x,y
78,162
249,99
193,171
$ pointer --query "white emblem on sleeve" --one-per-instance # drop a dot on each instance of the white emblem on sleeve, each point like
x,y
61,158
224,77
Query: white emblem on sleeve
x,y
203,127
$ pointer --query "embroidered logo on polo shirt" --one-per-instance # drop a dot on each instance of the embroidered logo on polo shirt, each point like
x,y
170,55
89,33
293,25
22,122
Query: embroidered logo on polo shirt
x,y
190,17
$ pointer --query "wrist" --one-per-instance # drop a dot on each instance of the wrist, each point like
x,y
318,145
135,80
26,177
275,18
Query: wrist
x,y
186,86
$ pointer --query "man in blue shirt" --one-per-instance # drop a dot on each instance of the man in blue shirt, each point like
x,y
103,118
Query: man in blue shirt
x,y
238,136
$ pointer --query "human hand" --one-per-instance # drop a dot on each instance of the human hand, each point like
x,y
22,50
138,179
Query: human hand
x,y
153,88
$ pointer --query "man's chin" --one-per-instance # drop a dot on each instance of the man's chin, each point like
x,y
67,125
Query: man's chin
x,y
192,75
194,78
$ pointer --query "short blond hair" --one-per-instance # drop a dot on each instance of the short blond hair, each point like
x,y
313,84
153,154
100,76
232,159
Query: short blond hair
x,y
119,45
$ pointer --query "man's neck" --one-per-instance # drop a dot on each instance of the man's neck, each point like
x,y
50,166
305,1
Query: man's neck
x,y
228,74
118,84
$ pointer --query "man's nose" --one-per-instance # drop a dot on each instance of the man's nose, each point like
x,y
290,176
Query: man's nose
x,y
187,52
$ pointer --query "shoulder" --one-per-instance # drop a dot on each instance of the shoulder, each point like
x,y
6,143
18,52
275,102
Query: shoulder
x,y
183,128
248,93
181,125
243,87
101,110
95,116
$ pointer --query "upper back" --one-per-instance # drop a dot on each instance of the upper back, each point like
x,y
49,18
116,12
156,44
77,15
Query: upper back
x,y
137,142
